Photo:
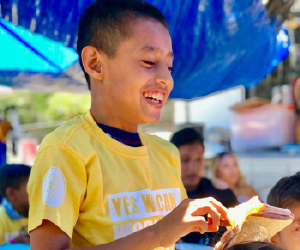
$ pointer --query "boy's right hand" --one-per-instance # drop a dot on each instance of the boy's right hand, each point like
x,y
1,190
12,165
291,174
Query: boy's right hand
x,y
189,217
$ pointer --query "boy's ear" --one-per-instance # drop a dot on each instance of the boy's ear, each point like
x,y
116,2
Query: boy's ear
x,y
91,60
10,193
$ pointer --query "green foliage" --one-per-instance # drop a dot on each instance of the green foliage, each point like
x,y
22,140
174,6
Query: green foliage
x,y
63,106
43,107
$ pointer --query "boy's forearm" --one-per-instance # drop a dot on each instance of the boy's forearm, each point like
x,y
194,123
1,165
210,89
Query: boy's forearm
x,y
146,239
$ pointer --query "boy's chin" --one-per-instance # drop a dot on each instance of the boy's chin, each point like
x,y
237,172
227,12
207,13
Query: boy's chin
x,y
151,118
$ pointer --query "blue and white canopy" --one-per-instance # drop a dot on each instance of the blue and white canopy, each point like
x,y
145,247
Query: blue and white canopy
x,y
218,44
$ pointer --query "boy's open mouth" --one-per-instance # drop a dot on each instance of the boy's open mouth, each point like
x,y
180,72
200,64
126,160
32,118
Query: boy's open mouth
x,y
154,96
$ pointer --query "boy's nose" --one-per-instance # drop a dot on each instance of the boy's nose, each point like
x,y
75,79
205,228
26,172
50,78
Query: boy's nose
x,y
164,77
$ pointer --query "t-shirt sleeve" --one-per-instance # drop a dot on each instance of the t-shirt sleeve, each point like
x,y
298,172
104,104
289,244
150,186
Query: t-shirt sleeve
x,y
56,188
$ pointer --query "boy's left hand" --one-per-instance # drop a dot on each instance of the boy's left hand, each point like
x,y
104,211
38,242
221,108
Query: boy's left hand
x,y
23,236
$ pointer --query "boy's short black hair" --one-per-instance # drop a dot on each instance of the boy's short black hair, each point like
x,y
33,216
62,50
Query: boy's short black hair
x,y
255,245
187,136
286,192
12,175
105,23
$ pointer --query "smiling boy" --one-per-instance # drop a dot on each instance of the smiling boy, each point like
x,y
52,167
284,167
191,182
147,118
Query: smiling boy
x,y
97,181
286,194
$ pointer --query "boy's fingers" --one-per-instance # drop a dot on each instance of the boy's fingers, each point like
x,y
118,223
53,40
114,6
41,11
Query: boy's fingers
x,y
198,229
212,228
199,224
210,210
197,219
222,210
219,206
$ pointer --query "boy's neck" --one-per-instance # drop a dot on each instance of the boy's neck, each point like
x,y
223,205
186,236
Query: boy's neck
x,y
108,119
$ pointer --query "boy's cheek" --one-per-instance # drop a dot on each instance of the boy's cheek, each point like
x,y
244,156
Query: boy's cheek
x,y
280,238
274,239
288,238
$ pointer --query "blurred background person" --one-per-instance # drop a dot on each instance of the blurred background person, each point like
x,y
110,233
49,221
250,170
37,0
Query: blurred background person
x,y
5,127
286,194
255,245
15,205
227,173
191,149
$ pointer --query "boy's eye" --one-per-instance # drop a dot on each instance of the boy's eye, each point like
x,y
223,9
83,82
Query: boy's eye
x,y
149,63
298,229
185,160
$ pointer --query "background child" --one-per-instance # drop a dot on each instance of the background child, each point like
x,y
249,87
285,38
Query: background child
x,y
15,205
258,245
286,194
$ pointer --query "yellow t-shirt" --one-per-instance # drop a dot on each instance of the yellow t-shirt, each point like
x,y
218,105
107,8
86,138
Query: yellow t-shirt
x,y
97,190
9,228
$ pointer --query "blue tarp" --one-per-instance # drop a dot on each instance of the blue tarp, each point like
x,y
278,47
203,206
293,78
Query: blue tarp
x,y
35,62
23,50
218,44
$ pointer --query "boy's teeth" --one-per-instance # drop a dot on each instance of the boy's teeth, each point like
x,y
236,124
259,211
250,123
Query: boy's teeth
x,y
160,96
155,96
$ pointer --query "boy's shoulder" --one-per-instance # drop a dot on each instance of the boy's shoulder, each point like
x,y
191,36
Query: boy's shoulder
x,y
159,143
72,130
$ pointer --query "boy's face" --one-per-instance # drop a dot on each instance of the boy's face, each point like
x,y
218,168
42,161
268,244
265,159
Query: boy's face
x,y
289,237
228,170
19,198
192,164
137,81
